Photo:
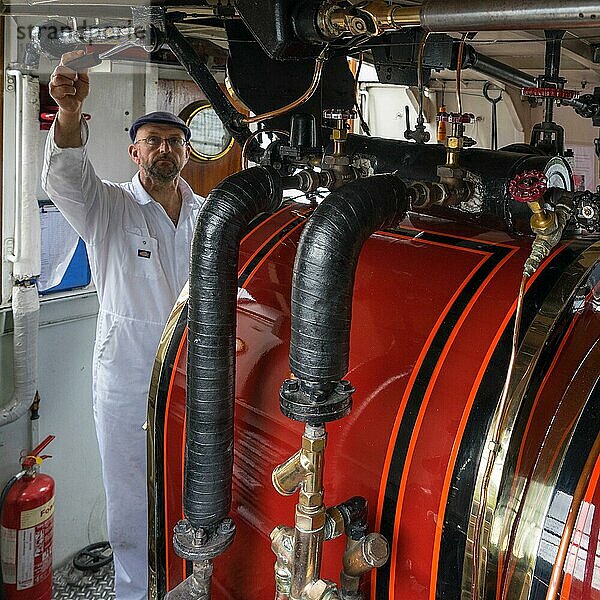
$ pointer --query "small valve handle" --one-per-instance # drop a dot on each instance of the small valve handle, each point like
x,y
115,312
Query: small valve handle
x,y
549,92
455,117
339,114
529,186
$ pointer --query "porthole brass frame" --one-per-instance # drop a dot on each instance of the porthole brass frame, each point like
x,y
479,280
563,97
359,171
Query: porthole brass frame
x,y
188,114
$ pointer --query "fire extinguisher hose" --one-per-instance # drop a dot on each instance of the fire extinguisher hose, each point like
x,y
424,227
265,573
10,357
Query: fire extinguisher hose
x,y
3,495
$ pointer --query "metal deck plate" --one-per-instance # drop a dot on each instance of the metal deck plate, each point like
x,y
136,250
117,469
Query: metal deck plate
x,y
72,584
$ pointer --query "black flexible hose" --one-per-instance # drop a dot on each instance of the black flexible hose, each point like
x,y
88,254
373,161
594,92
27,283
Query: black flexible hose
x,y
222,221
324,272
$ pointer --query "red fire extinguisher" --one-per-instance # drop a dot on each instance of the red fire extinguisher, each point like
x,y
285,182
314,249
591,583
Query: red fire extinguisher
x,y
26,531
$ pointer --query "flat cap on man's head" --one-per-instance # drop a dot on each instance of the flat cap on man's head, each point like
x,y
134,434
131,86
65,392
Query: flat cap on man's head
x,y
162,118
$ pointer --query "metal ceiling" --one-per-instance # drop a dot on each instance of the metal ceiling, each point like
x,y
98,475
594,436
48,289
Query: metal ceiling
x,y
519,48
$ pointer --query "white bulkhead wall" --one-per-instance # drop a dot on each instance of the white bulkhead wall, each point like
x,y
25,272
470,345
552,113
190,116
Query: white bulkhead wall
x,y
67,321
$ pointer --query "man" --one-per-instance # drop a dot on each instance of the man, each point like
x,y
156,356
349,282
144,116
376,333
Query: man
x,y
138,236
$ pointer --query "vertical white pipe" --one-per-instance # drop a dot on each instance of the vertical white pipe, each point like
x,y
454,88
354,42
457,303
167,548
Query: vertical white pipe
x,y
18,140
26,256
26,310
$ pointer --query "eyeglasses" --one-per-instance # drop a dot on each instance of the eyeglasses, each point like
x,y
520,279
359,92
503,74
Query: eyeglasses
x,y
155,141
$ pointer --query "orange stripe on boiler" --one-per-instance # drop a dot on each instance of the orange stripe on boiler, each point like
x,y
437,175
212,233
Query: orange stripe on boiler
x,y
465,415
434,243
565,590
400,414
426,397
266,242
268,254
459,436
428,392
508,244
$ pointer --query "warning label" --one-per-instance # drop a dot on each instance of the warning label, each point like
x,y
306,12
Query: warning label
x,y
33,517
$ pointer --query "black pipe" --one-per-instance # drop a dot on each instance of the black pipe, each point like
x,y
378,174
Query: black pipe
x,y
354,513
222,222
492,207
552,69
185,53
497,70
324,272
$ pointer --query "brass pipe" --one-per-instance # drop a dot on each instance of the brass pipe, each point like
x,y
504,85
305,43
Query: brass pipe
x,y
308,544
360,556
565,540
288,476
282,544
309,531
387,17
373,18
378,16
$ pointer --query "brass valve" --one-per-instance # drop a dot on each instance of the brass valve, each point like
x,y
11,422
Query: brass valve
x,y
340,120
452,176
541,219
370,18
530,187
337,164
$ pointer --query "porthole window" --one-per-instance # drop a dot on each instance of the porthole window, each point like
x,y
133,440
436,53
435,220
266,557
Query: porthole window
x,y
210,140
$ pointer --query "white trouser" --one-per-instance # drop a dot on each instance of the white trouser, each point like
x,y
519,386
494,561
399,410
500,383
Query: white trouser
x,y
122,445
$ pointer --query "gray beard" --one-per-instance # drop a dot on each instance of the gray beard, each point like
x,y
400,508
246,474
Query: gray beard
x,y
163,174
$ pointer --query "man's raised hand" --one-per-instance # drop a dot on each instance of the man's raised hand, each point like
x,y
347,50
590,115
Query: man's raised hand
x,y
69,88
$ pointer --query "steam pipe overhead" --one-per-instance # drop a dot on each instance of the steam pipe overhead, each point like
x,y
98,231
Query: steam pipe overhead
x,y
504,15
75,3
497,70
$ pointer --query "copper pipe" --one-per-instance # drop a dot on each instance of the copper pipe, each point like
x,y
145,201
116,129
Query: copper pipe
x,y
319,62
459,61
565,540
495,443
420,71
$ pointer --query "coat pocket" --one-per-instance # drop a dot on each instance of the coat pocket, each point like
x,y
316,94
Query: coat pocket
x,y
141,256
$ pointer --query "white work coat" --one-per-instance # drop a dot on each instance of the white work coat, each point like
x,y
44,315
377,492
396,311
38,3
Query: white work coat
x,y
139,261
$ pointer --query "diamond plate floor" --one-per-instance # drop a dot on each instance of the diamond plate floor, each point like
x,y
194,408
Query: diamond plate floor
x,y
72,584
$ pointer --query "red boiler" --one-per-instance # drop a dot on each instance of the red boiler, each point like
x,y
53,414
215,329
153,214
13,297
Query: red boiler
x,y
433,311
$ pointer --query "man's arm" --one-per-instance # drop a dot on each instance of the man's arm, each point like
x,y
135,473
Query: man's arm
x,y
69,89
67,176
